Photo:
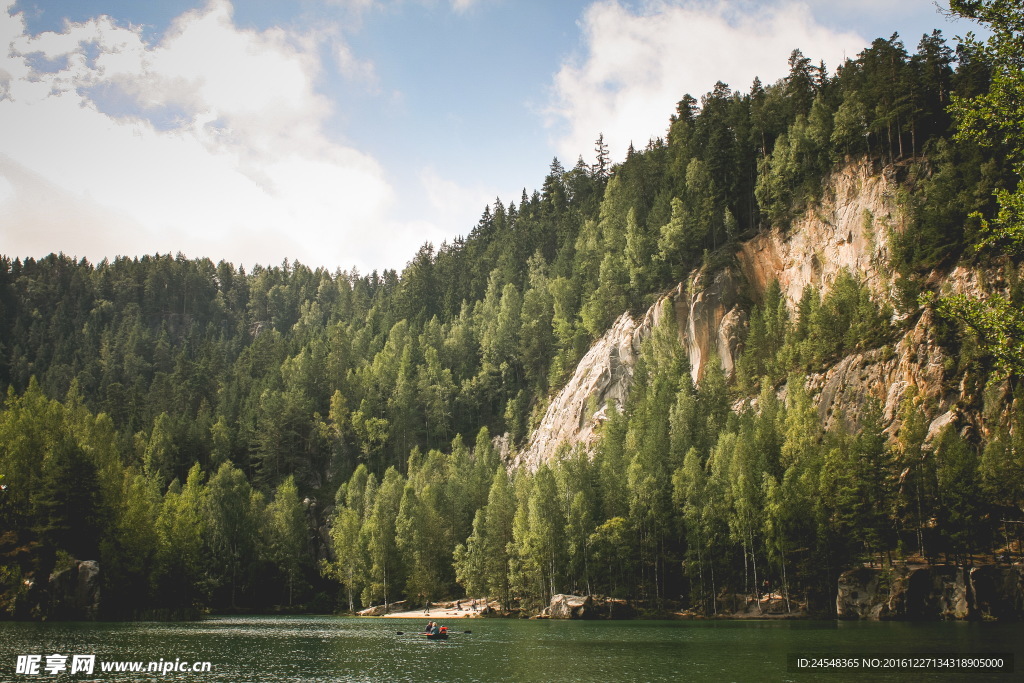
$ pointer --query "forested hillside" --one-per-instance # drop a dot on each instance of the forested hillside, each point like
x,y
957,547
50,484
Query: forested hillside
x,y
219,438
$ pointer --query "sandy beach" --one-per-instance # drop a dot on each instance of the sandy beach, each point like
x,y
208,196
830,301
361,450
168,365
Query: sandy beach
x,y
464,609
438,613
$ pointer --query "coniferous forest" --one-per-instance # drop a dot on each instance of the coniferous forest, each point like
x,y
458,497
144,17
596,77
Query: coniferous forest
x,y
227,439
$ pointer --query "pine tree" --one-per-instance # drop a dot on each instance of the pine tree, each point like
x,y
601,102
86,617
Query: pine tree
x,y
600,167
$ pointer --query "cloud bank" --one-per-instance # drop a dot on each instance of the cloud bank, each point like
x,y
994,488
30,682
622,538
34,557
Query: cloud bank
x,y
211,141
638,64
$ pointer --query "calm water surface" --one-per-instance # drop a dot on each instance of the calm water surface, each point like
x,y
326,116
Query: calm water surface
x,y
329,648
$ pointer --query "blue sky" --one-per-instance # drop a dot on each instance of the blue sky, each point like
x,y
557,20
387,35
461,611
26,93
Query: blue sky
x,y
348,132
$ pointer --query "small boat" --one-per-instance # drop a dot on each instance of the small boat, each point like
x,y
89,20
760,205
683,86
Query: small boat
x,y
440,635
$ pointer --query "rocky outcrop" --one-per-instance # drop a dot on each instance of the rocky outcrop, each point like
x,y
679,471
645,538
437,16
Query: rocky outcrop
x,y
932,593
885,374
604,374
709,323
846,230
569,607
564,606
381,610
865,593
75,592
710,319
999,592
916,360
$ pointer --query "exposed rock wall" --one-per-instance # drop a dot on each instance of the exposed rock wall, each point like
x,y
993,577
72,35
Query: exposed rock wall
x,y
916,360
709,323
604,374
587,607
710,319
885,374
932,593
848,229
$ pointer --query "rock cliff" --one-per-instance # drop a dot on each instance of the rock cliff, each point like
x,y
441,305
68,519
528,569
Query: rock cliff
x,y
604,374
932,593
849,229
709,322
587,607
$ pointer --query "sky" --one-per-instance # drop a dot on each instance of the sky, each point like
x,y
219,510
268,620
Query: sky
x,y
347,133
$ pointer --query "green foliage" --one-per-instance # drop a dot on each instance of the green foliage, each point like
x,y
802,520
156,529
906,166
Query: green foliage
x,y
998,321
66,502
994,119
287,536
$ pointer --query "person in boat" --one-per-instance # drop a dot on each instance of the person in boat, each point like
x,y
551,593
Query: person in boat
x,y
435,629
428,627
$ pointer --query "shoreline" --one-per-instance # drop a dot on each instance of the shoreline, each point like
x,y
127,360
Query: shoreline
x,y
433,614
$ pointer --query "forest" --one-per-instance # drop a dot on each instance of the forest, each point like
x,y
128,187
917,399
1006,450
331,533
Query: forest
x,y
223,439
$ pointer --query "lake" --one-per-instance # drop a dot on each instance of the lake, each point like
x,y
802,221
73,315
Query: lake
x,y
327,648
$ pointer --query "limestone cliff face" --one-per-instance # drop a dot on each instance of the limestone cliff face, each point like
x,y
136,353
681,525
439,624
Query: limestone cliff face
x,y
849,229
710,319
915,361
604,374
709,323
885,374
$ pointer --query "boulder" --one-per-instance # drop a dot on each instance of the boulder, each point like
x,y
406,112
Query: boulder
x,y
938,593
75,591
569,607
565,606
998,592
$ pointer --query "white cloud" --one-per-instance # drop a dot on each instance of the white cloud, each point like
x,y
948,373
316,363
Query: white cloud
x,y
355,69
453,204
638,65
211,142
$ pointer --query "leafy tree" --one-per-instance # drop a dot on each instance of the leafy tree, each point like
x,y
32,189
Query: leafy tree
x,y
386,572
960,516
67,503
160,456
350,558
609,299
679,240
233,528
418,537
288,542
129,548
995,118
537,336
183,532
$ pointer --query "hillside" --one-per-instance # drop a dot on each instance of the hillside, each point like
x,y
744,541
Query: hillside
x,y
743,326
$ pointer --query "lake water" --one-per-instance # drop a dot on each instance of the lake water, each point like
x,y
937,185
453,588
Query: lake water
x,y
326,648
